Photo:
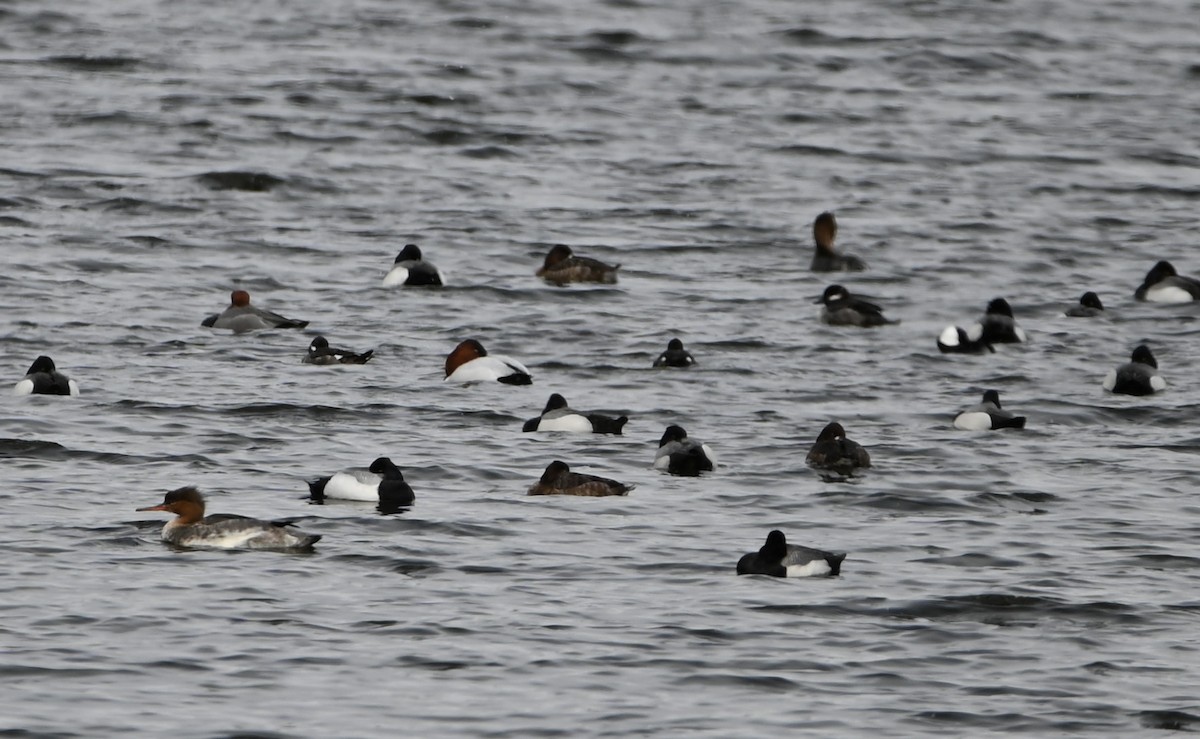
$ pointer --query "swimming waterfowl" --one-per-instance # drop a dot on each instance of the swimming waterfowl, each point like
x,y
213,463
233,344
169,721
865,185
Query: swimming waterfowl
x,y
191,528
1089,307
843,309
1137,377
43,378
558,416
777,558
825,259
382,483
675,356
410,270
240,316
1164,285
679,455
470,362
988,415
562,266
833,451
319,352
997,326
954,340
558,479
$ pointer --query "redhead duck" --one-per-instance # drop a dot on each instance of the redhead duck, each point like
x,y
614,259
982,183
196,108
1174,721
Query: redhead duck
x,y
558,479
777,558
1137,377
240,316
825,259
319,352
558,416
988,415
470,362
675,356
44,379
679,455
191,528
410,270
562,266
833,451
1164,285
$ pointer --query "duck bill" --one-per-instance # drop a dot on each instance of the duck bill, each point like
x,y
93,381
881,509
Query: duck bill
x,y
159,507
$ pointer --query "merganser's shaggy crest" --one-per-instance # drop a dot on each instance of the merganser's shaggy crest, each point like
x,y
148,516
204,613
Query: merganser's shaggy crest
x,y
411,270
381,483
558,479
844,309
1089,307
1164,285
988,415
833,451
240,316
675,356
777,558
191,528
470,362
562,266
558,416
825,259
679,455
44,379
1138,377
320,352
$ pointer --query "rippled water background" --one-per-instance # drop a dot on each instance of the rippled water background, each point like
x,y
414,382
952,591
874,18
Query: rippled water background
x,y
155,155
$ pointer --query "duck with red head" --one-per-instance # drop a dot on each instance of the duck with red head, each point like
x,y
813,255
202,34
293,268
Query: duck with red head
x,y
562,266
240,316
191,528
558,479
825,259
470,363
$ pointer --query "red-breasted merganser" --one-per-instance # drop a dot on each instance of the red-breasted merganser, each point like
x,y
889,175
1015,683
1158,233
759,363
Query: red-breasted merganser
x,y
192,528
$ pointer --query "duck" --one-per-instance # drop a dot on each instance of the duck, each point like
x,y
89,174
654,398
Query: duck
x,y
470,363
240,316
191,528
1137,377
43,378
954,340
833,451
997,326
558,479
679,455
777,558
1164,285
319,352
825,259
562,266
675,356
844,309
558,416
410,270
988,415
382,483
1089,307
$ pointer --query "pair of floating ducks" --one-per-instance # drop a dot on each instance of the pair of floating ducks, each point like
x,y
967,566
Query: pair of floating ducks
x,y
191,527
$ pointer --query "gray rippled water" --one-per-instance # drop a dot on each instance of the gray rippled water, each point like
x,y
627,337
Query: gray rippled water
x,y
156,156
